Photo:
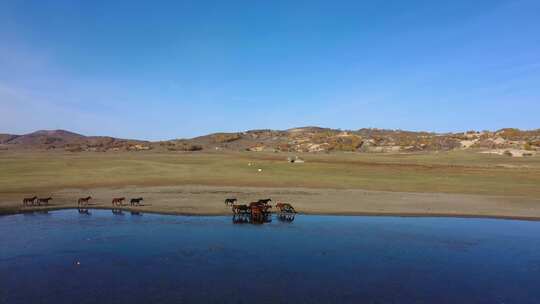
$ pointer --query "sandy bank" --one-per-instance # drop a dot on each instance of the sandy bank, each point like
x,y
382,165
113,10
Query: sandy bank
x,y
208,200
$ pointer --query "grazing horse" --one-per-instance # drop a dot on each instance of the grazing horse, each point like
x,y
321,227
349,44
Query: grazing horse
x,y
118,201
44,200
230,201
29,200
84,200
238,209
285,207
134,201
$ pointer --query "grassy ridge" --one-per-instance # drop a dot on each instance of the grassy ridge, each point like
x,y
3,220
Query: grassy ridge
x,y
450,172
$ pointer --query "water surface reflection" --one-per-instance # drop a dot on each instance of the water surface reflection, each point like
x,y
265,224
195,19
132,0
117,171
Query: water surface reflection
x,y
62,257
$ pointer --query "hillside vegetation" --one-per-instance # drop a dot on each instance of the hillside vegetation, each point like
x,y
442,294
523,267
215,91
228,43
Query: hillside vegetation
x,y
511,142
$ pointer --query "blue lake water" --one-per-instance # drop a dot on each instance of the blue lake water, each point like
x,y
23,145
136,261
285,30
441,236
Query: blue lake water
x,y
67,257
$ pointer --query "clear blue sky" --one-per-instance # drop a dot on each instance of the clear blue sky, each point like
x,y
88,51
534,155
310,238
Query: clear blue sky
x,y
169,69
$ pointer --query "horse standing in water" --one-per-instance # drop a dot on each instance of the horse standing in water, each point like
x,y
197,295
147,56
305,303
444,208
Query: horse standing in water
x,y
134,201
84,201
260,204
285,208
45,201
230,201
117,201
259,214
29,200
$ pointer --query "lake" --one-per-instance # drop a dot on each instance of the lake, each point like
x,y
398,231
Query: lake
x,y
100,257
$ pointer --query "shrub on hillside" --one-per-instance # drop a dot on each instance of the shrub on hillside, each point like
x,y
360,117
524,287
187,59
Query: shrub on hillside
x,y
225,137
183,146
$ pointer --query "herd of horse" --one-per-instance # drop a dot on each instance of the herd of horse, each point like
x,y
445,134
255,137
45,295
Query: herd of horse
x,y
33,201
259,211
119,201
83,201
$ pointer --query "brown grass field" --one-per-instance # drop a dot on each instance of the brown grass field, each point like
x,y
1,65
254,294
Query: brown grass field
x,y
463,183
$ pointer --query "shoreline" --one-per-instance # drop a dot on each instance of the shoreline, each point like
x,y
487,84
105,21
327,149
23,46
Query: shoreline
x,y
198,200
361,214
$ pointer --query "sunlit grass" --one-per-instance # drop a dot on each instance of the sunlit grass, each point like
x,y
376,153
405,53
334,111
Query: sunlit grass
x,y
451,172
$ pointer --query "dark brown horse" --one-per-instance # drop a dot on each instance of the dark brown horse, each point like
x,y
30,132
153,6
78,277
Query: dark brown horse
x,y
29,200
134,201
117,201
84,200
239,209
230,201
265,201
263,206
44,200
258,213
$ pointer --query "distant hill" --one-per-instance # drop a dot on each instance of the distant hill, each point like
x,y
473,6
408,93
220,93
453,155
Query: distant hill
x,y
62,139
4,138
45,137
304,139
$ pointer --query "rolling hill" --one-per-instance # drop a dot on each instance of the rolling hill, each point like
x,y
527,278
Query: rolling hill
x,y
304,139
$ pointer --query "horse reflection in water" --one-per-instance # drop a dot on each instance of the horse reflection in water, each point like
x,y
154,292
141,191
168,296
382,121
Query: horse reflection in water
x,y
241,218
84,211
137,213
247,218
286,217
117,212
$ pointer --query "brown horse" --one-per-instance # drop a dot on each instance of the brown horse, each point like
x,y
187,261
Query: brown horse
x,y
134,201
44,200
258,213
285,207
117,201
238,209
29,200
84,200
259,204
